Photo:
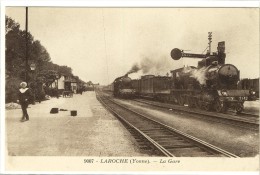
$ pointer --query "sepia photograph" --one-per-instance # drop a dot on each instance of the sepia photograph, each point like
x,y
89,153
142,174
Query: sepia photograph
x,y
130,88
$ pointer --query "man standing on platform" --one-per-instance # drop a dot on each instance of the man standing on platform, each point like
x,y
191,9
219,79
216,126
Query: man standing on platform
x,y
25,96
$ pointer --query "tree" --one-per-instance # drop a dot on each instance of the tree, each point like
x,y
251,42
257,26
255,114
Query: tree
x,y
15,51
39,55
11,25
15,48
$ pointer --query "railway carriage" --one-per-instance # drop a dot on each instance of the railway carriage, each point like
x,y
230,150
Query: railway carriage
x,y
156,87
250,84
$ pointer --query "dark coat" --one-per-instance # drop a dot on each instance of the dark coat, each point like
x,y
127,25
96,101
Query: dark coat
x,y
25,97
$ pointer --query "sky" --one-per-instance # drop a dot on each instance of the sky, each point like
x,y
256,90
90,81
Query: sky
x,y
100,44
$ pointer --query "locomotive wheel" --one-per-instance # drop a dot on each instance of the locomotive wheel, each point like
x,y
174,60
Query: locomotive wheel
x,y
197,103
181,100
178,100
239,107
206,106
190,102
219,105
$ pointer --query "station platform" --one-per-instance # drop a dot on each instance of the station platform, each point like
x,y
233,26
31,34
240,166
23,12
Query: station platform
x,y
93,132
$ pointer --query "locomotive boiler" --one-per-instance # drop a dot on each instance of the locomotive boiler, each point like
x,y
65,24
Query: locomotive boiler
x,y
122,87
210,85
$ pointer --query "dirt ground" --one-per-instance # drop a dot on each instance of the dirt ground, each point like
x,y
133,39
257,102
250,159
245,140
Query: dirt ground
x,y
93,132
252,107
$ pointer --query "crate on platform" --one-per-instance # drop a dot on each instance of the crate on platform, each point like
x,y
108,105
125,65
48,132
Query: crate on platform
x,y
54,110
73,113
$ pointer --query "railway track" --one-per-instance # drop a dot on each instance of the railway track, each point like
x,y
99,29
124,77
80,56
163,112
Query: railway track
x,y
244,120
245,114
161,138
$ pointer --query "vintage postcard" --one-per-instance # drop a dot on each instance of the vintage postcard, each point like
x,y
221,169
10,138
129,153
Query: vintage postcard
x,y
129,89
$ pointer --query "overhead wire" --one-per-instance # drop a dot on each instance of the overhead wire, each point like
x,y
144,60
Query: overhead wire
x,y
205,50
104,36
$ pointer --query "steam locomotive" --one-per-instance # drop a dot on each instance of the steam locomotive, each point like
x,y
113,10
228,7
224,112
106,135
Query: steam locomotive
x,y
122,87
212,85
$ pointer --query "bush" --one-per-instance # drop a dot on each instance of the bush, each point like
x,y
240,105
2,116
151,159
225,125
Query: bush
x,y
51,91
11,89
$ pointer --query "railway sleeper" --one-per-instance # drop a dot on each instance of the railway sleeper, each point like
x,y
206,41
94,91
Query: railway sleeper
x,y
129,128
188,150
143,143
169,146
215,155
158,134
167,141
154,134
153,129
197,154
145,128
132,131
146,125
169,137
139,136
145,147
172,141
164,140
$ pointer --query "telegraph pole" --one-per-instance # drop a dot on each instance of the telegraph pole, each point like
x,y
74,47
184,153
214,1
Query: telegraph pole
x,y
26,44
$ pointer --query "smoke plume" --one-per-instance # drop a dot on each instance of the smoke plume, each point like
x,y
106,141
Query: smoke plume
x,y
198,74
135,68
156,66
161,65
152,65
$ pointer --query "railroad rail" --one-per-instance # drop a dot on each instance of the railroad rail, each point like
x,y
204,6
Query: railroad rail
x,y
166,140
245,114
240,120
